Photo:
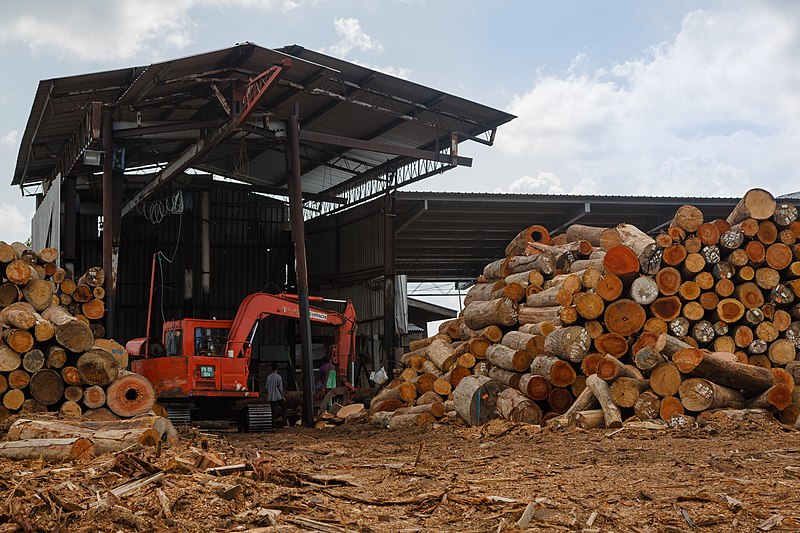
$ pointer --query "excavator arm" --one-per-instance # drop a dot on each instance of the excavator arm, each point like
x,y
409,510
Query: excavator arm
x,y
260,305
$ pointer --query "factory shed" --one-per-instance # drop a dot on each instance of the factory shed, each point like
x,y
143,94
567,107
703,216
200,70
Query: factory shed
x,y
211,163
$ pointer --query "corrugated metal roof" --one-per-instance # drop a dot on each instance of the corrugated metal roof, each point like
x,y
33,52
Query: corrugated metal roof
x,y
335,97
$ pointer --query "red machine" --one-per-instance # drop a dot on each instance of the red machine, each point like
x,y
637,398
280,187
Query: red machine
x,y
202,363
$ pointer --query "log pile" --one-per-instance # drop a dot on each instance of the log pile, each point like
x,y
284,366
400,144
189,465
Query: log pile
x,y
597,325
53,354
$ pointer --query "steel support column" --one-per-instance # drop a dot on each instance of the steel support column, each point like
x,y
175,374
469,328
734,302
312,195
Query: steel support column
x,y
298,235
388,283
108,216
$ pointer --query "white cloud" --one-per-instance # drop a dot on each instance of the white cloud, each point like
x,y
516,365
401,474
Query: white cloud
x,y
10,138
111,30
549,183
16,225
398,72
351,37
714,111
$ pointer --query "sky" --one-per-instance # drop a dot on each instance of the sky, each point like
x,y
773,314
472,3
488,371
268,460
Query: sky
x,y
627,97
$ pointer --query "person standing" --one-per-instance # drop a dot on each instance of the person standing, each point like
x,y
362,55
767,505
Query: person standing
x,y
274,388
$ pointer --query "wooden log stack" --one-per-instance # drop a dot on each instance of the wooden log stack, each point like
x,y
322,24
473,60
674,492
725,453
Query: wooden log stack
x,y
53,354
704,315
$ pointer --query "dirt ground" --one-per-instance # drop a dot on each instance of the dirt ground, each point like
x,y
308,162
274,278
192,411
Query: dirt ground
x,y
726,476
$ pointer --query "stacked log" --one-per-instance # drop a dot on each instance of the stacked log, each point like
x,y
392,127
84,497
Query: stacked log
x,y
703,315
53,356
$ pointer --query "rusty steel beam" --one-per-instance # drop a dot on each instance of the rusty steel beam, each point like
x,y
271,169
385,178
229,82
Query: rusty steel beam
x,y
200,149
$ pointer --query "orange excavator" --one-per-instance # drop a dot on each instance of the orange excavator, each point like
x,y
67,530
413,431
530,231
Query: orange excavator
x,y
203,365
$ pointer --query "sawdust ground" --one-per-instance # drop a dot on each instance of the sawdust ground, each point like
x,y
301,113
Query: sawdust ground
x,y
727,476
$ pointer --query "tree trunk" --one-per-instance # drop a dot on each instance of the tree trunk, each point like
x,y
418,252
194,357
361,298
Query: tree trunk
x,y
625,390
599,388
434,408
411,420
688,217
506,377
699,394
571,343
610,368
508,358
47,386
53,450
514,406
71,333
475,399
621,261
33,361
535,386
39,293
94,309
624,317
499,312
756,203
536,315
97,367
440,353
665,379
647,406
9,359
106,436
555,370
723,369
544,263
130,394
531,234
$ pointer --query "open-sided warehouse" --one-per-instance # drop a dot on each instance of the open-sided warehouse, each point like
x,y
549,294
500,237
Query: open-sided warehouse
x,y
121,163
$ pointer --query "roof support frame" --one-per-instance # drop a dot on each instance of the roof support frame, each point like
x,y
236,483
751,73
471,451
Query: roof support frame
x,y
573,216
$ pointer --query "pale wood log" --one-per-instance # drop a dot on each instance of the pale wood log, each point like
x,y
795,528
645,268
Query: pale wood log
x,y
514,406
579,232
20,272
490,333
9,359
429,397
19,340
19,315
508,358
70,409
475,399
39,293
756,203
588,305
536,315
53,450
538,328
698,394
441,354
506,377
644,290
434,408
71,333
688,217
399,421
381,419
553,369
18,379
417,345
570,343
94,277
544,263
599,388
500,312
520,341
106,436
56,357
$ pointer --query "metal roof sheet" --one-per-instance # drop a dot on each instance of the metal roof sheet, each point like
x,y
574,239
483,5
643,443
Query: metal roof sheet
x,y
335,97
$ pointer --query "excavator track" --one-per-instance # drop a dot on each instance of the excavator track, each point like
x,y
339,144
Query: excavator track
x,y
179,414
259,418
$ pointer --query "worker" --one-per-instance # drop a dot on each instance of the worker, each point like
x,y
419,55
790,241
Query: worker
x,y
274,389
